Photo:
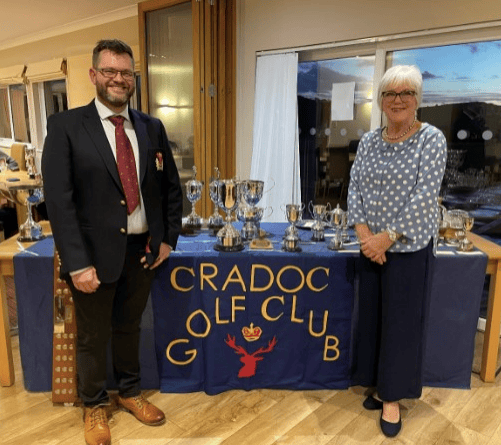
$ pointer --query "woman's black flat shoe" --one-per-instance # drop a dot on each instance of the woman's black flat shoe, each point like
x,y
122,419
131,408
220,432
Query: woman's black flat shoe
x,y
372,404
390,429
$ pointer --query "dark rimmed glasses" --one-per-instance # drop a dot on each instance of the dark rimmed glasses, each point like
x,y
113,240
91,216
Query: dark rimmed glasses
x,y
111,73
404,95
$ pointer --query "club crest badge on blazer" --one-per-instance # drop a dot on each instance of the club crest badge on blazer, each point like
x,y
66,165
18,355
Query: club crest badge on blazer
x,y
159,161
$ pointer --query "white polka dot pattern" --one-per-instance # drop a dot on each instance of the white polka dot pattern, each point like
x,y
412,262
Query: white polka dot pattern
x,y
396,185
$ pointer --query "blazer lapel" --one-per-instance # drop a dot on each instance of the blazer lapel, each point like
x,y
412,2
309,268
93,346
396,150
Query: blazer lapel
x,y
143,140
94,127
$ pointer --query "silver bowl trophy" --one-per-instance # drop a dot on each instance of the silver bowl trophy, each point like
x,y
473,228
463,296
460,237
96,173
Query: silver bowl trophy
x,y
294,214
336,220
319,212
228,238
453,225
251,217
193,193
215,222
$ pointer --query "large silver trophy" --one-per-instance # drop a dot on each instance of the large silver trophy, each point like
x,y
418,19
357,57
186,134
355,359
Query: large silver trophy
x,y
215,222
193,193
228,238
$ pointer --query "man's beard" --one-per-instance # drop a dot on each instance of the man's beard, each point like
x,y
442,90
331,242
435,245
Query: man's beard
x,y
114,100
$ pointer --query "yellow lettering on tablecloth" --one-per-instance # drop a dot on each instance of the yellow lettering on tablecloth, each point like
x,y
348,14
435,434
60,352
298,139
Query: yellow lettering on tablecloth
x,y
238,278
294,319
207,277
324,328
192,352
331,347
264,308
173,278
218,318
279,276
207,321
254,268
234,306
310,275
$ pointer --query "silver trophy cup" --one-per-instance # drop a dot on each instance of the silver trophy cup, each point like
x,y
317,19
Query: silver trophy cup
x,y
336,218
194,193
319,213
294,213
228,238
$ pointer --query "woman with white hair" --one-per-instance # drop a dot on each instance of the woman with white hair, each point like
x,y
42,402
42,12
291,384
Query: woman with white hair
x,y
392,203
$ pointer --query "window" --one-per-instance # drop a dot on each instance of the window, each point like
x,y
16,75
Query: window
x,y
49,97
19,110
327,143
461,95
5,122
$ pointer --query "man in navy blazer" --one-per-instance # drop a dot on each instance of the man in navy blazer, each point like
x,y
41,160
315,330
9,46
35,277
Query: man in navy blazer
x,y
109,251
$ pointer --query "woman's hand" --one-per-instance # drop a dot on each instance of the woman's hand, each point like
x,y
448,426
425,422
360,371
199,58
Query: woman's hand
x,y
375,246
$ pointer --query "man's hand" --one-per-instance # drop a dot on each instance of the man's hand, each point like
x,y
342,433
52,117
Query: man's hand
x,y
375,246
163,254
86,281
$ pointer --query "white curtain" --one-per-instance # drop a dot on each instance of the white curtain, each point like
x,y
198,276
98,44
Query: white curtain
x,y
275,144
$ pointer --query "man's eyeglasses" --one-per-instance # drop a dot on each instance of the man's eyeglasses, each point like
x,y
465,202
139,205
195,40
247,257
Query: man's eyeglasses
x,y
404,95
111,73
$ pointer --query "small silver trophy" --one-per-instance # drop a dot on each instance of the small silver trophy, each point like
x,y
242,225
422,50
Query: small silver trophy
x,y
465,244
228,238
215,222
294,213
193,193
336,220
30,156
319,212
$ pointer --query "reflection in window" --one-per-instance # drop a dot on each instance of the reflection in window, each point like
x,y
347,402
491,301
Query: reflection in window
x,y
462,97
5,131
327,146
20,118
55,97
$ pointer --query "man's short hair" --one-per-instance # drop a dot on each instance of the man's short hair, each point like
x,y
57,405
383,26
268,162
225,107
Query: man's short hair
x,y
114,45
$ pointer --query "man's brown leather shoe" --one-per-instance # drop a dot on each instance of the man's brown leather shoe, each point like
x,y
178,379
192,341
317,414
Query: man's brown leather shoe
x,y
97,431
142,410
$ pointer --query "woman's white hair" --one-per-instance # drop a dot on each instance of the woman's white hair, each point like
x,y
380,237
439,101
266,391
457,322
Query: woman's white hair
x,y
401,75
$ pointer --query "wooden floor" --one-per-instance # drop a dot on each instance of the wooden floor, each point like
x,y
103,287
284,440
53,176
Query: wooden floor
x,y
441,416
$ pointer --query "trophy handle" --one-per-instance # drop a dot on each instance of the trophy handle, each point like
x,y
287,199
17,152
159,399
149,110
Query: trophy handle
x,y
271,211
310,207
328,207
269,190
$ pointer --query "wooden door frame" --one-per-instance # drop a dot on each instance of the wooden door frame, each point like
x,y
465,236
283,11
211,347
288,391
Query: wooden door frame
x,y
214,81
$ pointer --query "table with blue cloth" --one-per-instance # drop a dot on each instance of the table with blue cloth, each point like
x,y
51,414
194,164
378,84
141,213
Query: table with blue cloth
x,y
259,318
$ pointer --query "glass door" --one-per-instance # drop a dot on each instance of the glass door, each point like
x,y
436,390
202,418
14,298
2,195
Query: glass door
x,y
188,72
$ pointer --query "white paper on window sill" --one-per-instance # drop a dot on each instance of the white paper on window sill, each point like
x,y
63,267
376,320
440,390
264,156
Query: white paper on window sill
x,y
342,101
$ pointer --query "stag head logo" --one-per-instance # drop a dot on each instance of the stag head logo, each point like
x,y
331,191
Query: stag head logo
x,y
249,360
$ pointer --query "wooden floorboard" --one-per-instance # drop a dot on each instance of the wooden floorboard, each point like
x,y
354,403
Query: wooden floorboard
x,y
263,417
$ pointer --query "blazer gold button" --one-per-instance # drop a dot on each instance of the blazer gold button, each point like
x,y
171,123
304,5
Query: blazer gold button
x,y
123,202
122,230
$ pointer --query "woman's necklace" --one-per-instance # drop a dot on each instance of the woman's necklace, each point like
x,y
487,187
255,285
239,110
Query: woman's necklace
x,y
385,132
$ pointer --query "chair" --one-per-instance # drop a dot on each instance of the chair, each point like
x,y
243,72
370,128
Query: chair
x,y
17,151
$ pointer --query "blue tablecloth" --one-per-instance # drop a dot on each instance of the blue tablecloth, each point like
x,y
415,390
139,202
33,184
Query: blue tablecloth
x,y
199,337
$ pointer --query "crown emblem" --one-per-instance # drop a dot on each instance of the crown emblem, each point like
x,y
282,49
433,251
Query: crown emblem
x,y
252,333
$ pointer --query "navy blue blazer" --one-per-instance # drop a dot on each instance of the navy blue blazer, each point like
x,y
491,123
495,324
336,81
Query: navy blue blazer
x,y
84,196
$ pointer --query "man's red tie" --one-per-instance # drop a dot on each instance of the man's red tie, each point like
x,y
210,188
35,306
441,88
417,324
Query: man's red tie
x,y
126,164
